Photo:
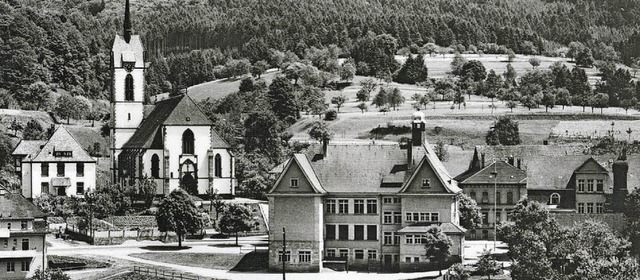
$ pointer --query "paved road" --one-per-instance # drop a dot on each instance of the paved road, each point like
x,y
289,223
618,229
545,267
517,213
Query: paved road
x,y
59,247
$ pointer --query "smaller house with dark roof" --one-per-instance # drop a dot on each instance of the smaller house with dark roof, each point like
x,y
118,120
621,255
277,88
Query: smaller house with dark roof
x,y
566,178
58,166
362,204
23,231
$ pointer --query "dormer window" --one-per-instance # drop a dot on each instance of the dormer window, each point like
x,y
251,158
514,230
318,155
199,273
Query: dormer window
x,y
555,199
426,184
293,182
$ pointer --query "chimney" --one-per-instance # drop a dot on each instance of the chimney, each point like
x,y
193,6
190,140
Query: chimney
x,y
127,23
409,145
620,173
519,161
483,162
511,160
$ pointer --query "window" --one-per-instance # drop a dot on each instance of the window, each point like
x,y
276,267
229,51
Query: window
x,y
343,232
11,266
408,239
397,218
9,226
498,198
24,265
331,232
304,256
187,142
25,244
417,239
388,218
407,259
485,218
372,254
426,184
6,243
372,206
287,256
343,206
331,205
60,169
344,253
44,188
218,166
155,166
331,253
80,169
396,239
128,116
359,254
555,199
435,217
44,169
599,208
473,196
372,232
24,225
599,185
580,185
388,238
80,188
580,207
509,198
589,208
424,217
397,200
358,232
358,206
293,182
590,185
387,200
128,88
485,197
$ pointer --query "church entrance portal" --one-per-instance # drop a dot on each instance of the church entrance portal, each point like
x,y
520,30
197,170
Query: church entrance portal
x,y
189,184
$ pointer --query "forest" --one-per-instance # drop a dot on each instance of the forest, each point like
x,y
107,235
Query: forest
x,y
65,43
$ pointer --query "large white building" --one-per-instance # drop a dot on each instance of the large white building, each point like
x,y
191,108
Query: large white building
x,y
175,144
58,166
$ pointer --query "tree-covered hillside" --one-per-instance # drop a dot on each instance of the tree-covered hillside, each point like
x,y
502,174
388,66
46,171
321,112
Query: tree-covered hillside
x,y
65,43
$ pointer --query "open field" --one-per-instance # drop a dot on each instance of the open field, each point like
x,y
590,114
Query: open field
x,y
220,88
213,261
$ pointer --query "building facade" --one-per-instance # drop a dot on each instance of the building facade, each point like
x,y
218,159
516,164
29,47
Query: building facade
x,y
175,144
58,166
362,205
23,232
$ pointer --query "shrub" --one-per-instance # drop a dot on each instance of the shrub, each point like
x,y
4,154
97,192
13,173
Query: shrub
x,y
330,115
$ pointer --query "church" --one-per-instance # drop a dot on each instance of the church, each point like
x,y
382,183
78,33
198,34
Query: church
x,y
175,144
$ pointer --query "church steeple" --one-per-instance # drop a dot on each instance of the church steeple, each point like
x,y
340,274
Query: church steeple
x,y
127,23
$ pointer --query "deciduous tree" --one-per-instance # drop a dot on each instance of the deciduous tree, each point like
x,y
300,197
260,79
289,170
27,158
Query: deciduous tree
x,y
503,132
235,219
470,215
177,212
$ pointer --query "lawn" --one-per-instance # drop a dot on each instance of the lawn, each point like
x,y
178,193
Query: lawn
x,y
212,261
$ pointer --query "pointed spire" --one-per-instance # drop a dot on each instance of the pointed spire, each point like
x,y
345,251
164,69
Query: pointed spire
x,y
127,23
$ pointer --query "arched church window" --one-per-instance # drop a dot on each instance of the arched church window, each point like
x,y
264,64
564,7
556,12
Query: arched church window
x,y
218,166
128,88
187,142
155,166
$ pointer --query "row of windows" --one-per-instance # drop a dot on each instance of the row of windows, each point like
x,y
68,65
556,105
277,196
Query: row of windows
x,y
304,256
414,239
485,197
24,266
360,232
25,244
391,238
215,162
599,208
44,169
44,189
23,225
358,254
392,217
360,206
391,200
422,217
599,185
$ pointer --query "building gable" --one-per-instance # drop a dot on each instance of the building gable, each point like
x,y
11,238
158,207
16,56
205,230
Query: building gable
x,y
417,184
591,166
298,178
62,147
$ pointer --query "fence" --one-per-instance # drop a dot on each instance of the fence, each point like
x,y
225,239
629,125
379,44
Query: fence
x,y
166,275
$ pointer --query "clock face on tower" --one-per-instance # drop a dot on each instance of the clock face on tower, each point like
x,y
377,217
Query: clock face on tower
x,y
128,66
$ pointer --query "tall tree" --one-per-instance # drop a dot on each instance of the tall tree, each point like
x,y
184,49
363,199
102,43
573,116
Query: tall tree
x,y
282,99
470,215
339,100
177,212
235,219
437,245
503,132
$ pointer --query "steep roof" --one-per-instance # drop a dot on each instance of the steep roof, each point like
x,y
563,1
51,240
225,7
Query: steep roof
x,y
178,110
128,51
29,148
450,185
506,174
62,141
15,206
303,162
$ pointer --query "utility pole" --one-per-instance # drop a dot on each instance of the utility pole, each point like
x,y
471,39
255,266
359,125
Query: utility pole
x,y
284,253
495,202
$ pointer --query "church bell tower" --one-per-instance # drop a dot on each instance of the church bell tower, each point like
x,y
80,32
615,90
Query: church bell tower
x,y
127,89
